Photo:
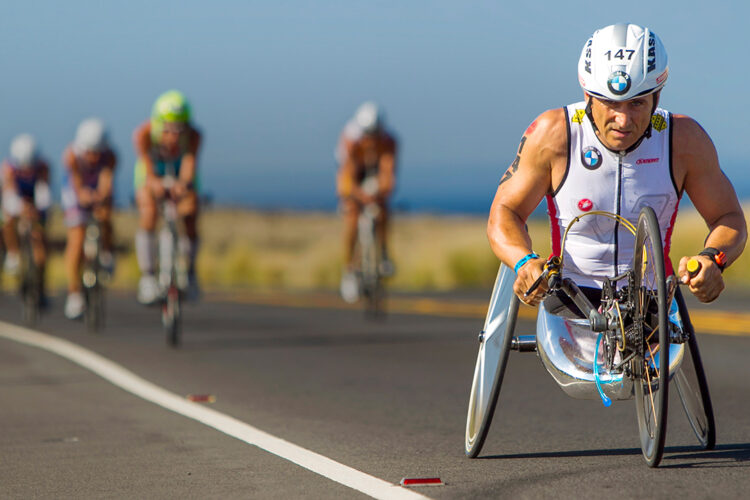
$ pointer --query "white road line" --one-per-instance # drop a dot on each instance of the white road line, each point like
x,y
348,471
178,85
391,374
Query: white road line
x,y
127,380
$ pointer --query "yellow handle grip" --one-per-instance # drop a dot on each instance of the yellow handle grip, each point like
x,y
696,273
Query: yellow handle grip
x,y
693,266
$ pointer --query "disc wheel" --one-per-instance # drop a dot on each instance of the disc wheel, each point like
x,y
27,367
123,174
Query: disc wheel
x,y
692,386
494,346
651,366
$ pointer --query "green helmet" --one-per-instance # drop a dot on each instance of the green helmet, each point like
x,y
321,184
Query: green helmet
x,y
170,107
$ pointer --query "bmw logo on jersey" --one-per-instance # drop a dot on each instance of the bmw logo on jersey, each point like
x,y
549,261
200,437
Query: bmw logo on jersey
x,y
619,82
591,158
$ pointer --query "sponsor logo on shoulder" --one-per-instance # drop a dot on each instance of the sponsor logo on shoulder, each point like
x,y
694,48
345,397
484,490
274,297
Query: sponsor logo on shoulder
x,y
585,204
645,161
591,158
578,116
658,122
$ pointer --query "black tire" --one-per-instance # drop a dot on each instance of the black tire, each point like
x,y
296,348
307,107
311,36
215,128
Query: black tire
x,y
692,385
482,402
30,286
651,384
170,315
94,314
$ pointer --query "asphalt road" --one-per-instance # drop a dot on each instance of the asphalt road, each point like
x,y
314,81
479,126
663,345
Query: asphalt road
x,y
387,398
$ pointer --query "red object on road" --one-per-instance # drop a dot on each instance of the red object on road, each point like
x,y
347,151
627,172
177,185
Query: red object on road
x,y
422,481
201,398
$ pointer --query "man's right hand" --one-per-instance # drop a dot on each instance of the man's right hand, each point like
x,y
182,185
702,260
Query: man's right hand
x,y
527,275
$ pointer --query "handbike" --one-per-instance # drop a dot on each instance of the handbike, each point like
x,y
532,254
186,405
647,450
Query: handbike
x,y
630,346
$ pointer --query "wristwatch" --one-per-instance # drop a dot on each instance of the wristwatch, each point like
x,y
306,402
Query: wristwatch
x,y
715,255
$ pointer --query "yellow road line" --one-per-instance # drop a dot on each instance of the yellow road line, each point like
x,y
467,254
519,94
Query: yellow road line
x,y
705,322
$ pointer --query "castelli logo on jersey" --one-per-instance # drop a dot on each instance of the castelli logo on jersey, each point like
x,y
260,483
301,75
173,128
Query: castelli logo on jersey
x,y
644,161
585,204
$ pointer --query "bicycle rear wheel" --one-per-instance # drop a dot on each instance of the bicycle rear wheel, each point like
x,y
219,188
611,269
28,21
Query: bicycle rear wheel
x,y
692,386
651,366
30,284
494,346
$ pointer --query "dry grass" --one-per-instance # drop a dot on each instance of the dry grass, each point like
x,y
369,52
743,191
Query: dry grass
x,y
300,251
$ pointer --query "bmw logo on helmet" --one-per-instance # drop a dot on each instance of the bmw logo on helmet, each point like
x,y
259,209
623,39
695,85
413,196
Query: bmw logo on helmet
x,y
619,82
591,158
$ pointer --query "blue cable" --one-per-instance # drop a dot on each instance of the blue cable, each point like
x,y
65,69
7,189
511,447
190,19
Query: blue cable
x,y
605,400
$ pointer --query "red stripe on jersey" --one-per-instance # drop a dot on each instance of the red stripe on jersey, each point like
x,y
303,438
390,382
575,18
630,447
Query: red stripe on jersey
x,y
669,270
554,225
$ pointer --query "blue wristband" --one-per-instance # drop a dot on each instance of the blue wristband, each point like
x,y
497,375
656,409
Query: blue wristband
x,y
524,260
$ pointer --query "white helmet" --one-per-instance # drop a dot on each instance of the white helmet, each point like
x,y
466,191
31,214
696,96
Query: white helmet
x,y
623,61
91,136
368,117
23,150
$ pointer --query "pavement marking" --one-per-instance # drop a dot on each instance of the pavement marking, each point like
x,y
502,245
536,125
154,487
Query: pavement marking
x,y
704,322
127,380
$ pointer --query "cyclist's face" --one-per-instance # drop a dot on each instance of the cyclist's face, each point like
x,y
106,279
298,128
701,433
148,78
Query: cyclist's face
x,y
92,157
621,124
171,134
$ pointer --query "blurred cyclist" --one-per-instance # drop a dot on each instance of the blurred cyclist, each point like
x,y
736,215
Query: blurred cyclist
x,y
167,142
87,192
25,190
366,153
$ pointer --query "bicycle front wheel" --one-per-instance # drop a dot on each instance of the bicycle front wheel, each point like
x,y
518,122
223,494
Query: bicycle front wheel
x,y
170,316
650,366
494,346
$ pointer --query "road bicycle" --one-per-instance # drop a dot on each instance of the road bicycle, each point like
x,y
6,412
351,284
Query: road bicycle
x,y
31,274
173,276
629,347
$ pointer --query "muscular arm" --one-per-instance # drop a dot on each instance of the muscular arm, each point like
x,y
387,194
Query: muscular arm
x,y
387,172
142,144
106,178
69,160
541,154
697,167
188,167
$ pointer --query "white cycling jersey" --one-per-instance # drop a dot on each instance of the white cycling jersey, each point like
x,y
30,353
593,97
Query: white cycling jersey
x,y
597,178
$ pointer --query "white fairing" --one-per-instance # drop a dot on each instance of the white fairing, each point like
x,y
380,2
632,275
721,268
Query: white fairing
x,y
623,61
567,347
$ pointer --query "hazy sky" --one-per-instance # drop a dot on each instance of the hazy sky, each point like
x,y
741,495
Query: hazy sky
x,y
273,82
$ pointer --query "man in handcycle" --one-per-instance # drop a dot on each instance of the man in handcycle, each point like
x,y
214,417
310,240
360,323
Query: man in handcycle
x,y
615,151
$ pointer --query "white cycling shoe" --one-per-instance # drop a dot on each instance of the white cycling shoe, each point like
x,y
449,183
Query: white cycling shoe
x,y
75,304
349,287
12,264
148,290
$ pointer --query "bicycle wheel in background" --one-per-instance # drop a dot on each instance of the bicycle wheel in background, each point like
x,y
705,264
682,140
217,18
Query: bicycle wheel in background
x,y
494,346
170,315
31,290
651,366
692,386
94,313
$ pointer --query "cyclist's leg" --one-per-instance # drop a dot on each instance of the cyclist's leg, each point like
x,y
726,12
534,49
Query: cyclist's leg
x,y
349,287
188,208
382,226
11,210
38,240
350,210
145,240
103,215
